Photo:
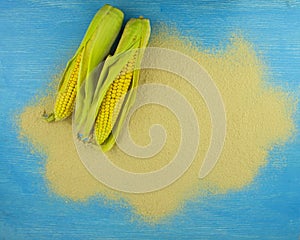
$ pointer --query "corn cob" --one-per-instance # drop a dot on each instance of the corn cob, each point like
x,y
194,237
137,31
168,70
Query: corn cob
x,y
116,88
66,99
112,102
94,47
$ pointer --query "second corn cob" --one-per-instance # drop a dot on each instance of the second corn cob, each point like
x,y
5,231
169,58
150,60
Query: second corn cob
x,y
112,102
116,88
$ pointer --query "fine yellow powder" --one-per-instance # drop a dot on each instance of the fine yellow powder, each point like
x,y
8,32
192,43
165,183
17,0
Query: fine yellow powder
x,y
258,117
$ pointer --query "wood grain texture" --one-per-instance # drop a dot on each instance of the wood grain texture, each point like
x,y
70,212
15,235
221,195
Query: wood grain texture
x,y
37,39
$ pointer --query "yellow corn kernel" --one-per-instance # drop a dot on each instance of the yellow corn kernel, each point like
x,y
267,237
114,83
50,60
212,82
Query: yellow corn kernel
x,y
66,99
112,102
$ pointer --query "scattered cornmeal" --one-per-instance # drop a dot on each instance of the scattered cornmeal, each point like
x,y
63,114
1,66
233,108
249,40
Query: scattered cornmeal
x,y
258,117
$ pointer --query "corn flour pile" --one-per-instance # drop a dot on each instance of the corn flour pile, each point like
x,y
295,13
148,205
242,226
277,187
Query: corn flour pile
x,y
259,116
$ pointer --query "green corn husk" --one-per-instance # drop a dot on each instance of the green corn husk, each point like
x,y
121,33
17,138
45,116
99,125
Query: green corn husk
x,y
132,44
95,46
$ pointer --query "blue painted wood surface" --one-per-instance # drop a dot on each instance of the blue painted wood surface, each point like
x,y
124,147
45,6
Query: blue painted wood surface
x,y
38,36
